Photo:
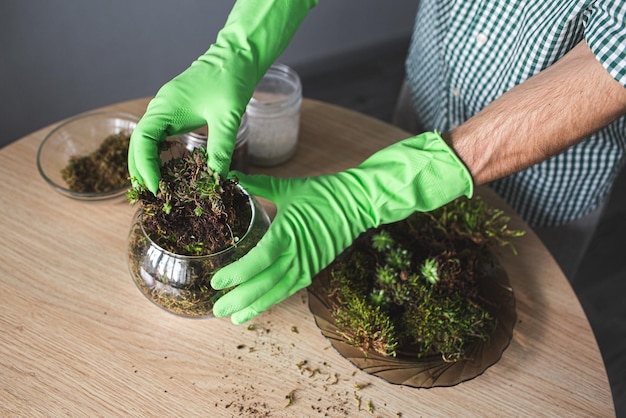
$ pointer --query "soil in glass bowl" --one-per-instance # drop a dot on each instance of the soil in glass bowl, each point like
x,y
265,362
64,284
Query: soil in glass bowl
x,y
85,157
197,223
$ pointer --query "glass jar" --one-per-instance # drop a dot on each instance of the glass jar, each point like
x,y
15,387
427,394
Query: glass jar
x,y
274,117
181,284
239,161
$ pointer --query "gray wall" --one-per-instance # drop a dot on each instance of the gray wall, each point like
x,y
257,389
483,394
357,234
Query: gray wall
x,y
62,57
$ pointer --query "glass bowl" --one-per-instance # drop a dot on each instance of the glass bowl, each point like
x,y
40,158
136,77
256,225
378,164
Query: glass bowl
x,y
181,284
78,137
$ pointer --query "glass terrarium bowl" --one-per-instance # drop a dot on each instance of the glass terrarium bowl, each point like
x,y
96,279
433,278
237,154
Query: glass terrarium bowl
x,y
77,137
181,284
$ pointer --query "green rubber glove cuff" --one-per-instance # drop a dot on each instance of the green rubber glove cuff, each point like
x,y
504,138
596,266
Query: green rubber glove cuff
x,y
216,88
421,173
319,217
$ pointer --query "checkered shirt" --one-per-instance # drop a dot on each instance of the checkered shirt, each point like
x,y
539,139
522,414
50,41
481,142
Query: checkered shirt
x,y
464,54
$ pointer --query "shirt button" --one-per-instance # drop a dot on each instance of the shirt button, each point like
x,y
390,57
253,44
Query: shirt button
x,y
481,39
456,92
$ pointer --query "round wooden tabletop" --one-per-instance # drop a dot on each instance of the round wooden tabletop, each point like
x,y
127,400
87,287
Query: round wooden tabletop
x,y
79,339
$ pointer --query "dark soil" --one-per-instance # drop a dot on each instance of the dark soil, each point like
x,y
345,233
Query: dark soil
x,y
195,211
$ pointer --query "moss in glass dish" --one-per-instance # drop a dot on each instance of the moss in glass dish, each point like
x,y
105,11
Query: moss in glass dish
x,y
412,287
103,170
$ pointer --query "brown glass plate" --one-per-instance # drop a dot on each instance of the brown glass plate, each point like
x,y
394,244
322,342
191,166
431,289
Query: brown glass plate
x,y
430,371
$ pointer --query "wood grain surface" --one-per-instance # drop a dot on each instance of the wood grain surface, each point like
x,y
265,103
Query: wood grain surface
x,y
79,339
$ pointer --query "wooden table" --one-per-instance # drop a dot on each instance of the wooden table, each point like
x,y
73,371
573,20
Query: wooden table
x,y
79,339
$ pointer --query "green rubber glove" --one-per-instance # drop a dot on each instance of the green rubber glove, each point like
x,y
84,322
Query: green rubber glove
x,y
216,88
318,217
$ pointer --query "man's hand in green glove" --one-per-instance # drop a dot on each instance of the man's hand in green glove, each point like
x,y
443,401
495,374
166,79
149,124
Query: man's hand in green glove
x,y
216,88
318,217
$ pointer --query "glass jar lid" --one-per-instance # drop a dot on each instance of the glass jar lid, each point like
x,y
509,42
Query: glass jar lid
x,y
279,91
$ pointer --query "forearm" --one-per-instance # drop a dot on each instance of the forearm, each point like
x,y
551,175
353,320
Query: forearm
x,y
540,117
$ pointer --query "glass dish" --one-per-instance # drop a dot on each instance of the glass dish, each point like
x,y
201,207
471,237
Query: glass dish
x,y
77,137
432,371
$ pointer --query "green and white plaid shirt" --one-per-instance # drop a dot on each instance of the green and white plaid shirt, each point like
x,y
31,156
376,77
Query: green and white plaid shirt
x,y
464,54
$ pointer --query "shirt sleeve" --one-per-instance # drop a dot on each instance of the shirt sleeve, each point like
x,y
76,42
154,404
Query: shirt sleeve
x,y
605,33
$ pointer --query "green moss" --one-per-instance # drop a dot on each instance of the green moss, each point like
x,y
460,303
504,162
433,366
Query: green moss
x,y
366,325
413,286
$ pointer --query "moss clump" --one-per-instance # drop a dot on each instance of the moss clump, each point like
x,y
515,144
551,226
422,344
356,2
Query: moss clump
x,y
103,170
414,286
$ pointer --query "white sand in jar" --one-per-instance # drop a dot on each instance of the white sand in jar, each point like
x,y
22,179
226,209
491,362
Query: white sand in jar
x,y
274,123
